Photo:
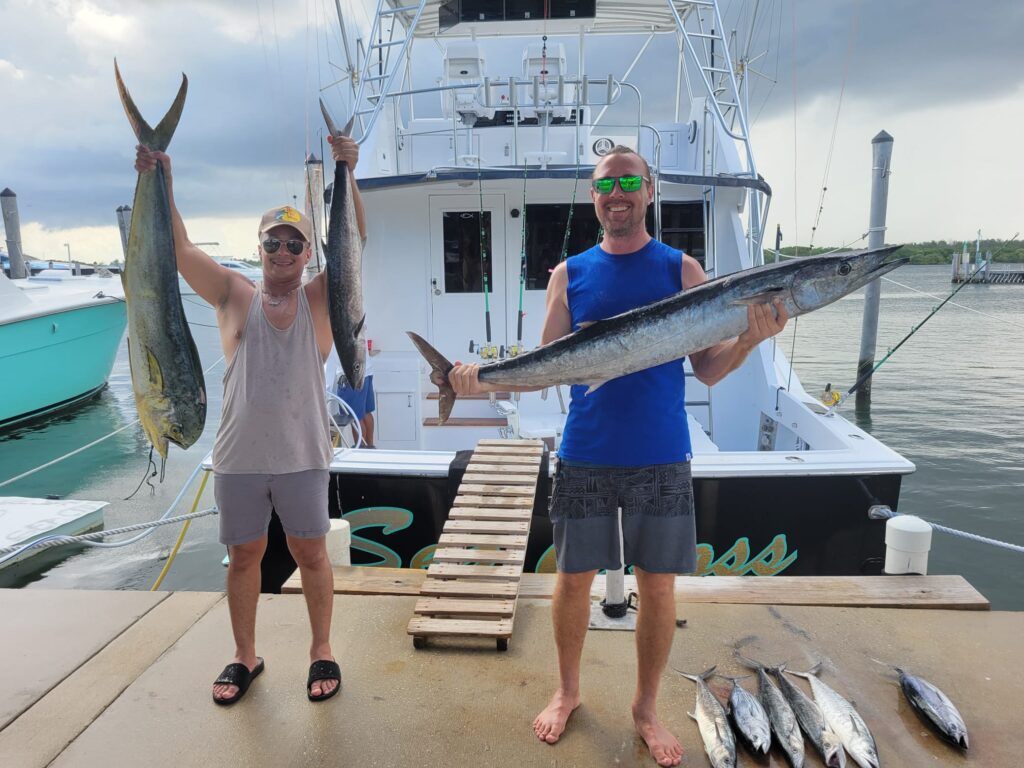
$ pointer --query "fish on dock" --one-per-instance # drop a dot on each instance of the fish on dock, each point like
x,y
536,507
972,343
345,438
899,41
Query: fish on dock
x,y
844,720
674,327
935,708
780,714
343,254
713,723
749,718
167,375
812,721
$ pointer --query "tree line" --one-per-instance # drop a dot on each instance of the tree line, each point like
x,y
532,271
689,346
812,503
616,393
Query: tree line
x,y
931,251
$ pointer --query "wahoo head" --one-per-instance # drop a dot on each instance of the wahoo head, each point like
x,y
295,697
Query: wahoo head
x,y
820,280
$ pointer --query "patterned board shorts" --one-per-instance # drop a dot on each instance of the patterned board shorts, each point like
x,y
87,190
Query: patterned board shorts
x,y
659,533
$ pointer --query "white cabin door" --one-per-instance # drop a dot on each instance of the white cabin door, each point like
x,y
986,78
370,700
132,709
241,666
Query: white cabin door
x,y
457,272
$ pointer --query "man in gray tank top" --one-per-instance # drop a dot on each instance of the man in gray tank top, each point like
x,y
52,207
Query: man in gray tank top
x,y
272,450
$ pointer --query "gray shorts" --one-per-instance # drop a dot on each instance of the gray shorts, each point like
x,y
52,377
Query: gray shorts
x,y
659,533
245,503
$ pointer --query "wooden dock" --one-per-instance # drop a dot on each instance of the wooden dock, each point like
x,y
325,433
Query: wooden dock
x,y
90,678
472,582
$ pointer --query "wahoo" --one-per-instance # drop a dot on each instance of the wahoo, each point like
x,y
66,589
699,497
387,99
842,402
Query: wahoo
x,y
674,327
167,376
343,253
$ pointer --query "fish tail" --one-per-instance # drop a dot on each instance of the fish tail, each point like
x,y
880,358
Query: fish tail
x,y
440,367
703,676
331,127
158,138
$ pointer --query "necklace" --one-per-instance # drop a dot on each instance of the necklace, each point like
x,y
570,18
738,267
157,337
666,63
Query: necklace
x,y
276,301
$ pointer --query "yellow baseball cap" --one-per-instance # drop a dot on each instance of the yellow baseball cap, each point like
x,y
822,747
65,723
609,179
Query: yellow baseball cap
x,y
286,216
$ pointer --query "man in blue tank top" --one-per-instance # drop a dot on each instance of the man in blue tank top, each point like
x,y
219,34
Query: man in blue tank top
x,y
625,445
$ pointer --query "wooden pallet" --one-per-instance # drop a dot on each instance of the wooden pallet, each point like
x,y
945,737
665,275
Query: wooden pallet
x,y
473,580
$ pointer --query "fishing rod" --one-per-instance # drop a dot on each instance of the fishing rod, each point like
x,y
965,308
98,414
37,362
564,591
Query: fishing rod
x,y
522,269
483,254
867,375
572,205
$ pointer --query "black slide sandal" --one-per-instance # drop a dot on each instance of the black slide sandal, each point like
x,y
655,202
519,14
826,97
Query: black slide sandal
x,y
237,674
324,669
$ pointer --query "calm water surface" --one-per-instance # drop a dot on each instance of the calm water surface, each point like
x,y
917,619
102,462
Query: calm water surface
x,y
951,400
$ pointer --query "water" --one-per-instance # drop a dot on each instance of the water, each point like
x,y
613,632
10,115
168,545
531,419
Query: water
x,y
949,400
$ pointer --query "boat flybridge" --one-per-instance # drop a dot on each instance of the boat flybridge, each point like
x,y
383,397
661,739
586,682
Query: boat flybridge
x,y
476,184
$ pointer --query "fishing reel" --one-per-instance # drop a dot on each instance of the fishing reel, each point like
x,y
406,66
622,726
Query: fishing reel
x,y
487,351
496,351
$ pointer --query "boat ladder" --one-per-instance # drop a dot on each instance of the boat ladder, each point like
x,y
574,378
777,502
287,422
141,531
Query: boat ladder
x,y
376,78
473,580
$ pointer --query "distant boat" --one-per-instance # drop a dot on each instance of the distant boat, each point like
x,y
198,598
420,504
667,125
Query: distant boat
x,y
248,270
59,335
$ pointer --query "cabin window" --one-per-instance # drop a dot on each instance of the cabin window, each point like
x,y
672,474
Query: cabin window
x,y
463,255
682,227
545,235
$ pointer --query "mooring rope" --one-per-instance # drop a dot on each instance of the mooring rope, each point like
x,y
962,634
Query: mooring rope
x,y
882,512
92,540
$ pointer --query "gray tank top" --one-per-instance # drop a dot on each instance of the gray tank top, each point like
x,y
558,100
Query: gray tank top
x,y
274,416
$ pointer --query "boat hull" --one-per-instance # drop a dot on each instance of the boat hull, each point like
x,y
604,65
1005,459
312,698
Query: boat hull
x,y
793,525
53,361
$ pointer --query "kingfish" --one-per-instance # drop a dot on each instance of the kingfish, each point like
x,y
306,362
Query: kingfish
x,y
343,254
780,715
713,723
935,708
847,723
749,718
674,327
167,376
812,721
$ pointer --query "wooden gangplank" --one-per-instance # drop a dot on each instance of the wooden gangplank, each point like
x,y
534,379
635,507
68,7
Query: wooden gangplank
x,y
473,580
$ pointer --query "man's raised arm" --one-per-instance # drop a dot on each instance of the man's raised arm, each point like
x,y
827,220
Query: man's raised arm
x,y
210,280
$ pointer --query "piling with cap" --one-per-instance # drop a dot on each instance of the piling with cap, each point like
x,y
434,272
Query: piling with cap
x,y
9,207
124,222
339,543
908,540
881,158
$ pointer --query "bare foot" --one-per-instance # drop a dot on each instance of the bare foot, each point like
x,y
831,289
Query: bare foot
x,y
665,748
550,723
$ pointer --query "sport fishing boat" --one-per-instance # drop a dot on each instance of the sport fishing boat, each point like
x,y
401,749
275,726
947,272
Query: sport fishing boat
x,y
476,185
59,335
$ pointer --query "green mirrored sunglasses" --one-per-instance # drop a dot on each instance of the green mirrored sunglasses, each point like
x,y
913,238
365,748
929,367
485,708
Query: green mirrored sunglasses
x,y
626,184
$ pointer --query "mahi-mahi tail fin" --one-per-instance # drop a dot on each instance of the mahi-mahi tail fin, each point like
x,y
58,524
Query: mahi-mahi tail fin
x,y
440,367
157,139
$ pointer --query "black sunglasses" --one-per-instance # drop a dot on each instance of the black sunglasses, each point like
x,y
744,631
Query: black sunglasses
x,y
295,247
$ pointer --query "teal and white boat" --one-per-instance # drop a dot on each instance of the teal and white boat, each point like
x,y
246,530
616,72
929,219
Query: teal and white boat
x,y
255,274
59,335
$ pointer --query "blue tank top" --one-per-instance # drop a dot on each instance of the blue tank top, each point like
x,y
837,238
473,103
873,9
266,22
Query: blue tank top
x,y
640,418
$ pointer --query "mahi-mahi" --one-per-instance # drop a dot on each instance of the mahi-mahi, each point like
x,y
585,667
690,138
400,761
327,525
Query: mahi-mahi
x,y
167,376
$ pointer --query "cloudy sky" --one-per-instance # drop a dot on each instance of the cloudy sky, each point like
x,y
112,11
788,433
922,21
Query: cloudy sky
x,y
944,78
